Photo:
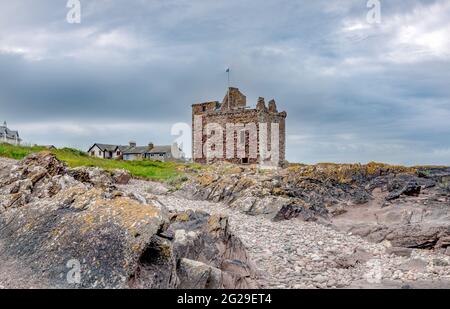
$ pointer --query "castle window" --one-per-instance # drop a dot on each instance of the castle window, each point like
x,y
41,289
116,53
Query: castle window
x,y
242,137
204,108
244,160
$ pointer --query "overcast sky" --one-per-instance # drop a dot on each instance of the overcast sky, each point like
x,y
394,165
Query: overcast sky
x,y
354,91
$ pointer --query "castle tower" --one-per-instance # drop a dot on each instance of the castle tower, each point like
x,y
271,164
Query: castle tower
x,y
232,132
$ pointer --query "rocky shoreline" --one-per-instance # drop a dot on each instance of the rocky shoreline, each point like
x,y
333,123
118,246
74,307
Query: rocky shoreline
x,y
410,207
303,227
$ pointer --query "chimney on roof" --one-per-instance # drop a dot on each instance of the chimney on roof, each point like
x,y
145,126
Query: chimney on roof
x,y
151,146
132,144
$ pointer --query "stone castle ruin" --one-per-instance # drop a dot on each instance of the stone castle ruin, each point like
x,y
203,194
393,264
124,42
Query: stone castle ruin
x,y
230,131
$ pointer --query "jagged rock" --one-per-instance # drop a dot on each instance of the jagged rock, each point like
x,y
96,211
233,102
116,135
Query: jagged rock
x,y
288,212
44,161
121,177
63,219
93,175
410,189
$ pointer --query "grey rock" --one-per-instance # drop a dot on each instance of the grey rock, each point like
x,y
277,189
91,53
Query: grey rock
x,y
197,275
320,279
121,177
447,251
411,188
413,265
288,212
440,262
406,252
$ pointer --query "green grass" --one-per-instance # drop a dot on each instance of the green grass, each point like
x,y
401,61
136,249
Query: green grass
x,y
160,171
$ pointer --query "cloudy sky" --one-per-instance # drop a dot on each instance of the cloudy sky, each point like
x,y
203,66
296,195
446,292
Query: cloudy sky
x,y
354,91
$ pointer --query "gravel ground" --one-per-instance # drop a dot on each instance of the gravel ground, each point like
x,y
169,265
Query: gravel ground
x,y
296,254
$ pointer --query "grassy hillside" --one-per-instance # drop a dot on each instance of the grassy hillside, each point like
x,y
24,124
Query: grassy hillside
x,y
161,171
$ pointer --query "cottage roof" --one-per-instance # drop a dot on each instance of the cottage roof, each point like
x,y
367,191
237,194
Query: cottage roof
x,y
161,149
105,147
136,150
9,133
123,148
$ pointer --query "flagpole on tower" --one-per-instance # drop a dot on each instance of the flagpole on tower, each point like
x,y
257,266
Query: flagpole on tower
x,y
228,72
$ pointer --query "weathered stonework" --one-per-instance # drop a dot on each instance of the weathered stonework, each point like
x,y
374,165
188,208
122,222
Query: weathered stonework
x,y
234,111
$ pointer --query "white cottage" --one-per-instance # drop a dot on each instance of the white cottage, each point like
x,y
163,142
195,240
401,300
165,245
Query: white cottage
x,y
8,136
105,151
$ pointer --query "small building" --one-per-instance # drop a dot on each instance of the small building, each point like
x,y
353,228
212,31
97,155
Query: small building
x,y
105,151
152,152
9,136
159,153
134,152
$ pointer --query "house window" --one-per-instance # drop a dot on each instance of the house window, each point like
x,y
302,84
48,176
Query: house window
x,y
92,153
99,153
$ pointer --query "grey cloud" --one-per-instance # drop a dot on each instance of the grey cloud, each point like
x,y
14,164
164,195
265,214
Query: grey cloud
x,y
356,95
